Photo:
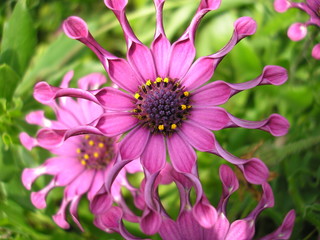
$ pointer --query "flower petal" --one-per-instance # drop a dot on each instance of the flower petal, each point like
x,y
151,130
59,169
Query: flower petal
x,y
200,138
115,99
154,156
213,118
181,154
115,123
133,144
297,31
316,51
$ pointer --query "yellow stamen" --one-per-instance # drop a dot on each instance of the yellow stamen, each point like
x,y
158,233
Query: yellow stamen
x,y
173,126
159,79
86,136
86,156
78,150
83,162
166,80
161,127
101,145
189,106
183,107
96,155
148,83
186,94
136,96
91,142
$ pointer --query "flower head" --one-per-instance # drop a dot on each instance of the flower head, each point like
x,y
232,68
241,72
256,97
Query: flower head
x,y
298,31
82,162
166,107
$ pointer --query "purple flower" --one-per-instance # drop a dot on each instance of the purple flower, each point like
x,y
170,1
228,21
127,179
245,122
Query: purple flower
x,y
81,163
166,106
201,220
298,31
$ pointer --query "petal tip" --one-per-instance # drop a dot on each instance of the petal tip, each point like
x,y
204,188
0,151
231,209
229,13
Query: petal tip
x,y
75,27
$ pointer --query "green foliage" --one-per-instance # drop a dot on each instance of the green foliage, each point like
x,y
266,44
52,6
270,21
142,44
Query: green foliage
x,y
33,48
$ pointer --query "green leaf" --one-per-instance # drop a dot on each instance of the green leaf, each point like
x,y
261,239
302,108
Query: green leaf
x,y
19,39
8,81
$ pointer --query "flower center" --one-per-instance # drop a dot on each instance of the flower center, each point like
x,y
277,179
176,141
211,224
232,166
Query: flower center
x,y
96,152
162,105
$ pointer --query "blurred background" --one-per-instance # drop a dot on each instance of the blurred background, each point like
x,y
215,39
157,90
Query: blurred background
x,y
33,48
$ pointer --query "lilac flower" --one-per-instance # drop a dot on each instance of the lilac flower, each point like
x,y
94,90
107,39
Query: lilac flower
x,y
298,31
81,163
196,222
165,107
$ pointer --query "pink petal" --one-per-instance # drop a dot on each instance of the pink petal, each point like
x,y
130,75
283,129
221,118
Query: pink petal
x,y
169,230
38,118
281,5
209,4
245,26
188,227
255,171
161,48
117,5
297,31
123,75
150,222
240,230
154,155
228,178
75,28
97,183
60,217
74,211
205,214
92,81
285,230
200,138
277,125
181,57
140,57
27,141
66,79
115,123
80,184
213,118
181,154
38,199
219,230
316,51
134,143
212,94
101,203
114,99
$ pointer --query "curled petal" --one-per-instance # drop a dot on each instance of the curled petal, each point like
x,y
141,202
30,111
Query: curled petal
x,y
316,51
209,4
116,5
245,26
27,141
255,171
285,230
51,138
29,175
240,230
150,222
297,31
228,178
204,213
38,199
75,28
74,211
101,203
38,118
281,5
